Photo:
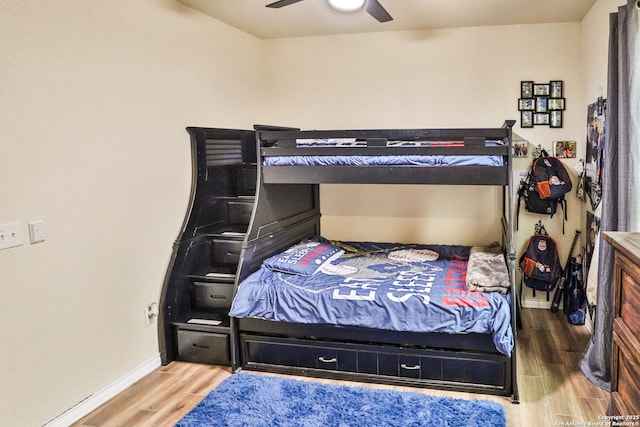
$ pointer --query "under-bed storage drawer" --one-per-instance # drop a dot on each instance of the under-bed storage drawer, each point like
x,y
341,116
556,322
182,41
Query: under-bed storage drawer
x,y
448,369
203,347
300,355
442,366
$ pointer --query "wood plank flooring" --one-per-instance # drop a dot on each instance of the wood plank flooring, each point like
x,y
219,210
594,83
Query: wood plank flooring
x,y
553,391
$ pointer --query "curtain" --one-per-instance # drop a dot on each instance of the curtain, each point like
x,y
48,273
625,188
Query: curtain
x,y
621,176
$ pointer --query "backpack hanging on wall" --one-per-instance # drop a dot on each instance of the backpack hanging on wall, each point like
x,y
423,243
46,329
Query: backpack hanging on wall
x,y
544,187
540,264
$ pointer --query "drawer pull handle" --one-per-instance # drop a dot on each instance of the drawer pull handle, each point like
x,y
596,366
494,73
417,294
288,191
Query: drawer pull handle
x,y
412,368
332,360
201,346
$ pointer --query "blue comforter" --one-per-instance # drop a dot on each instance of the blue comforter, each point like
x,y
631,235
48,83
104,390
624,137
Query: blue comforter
x,y
419,288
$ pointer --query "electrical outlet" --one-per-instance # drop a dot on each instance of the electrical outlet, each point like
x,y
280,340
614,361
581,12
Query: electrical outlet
x,y
36,231
151,312
11,235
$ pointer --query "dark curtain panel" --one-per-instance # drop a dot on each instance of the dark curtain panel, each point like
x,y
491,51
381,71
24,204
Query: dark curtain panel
x,y
620,191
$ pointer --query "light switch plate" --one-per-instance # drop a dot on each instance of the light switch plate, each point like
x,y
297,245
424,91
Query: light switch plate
x,y
11,235
36,231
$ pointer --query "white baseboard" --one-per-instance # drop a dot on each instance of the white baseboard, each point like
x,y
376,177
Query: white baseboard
x,y
93,401
589,322
536,303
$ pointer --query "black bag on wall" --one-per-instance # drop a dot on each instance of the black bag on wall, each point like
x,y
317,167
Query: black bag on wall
x,y
544,187
540,264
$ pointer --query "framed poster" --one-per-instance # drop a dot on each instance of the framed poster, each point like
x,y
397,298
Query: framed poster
x,y
595,149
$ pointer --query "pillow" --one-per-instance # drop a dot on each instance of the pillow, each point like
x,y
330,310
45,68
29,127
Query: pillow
x,y
414,255
304,259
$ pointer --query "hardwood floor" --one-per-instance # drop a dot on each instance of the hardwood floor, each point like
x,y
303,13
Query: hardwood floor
x,y
553,391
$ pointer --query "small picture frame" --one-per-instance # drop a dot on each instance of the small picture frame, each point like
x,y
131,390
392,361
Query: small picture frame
x,y
526,89
526,119
555,89
527,104
520,149
556,103
542,104
564,149
555,119
540,89
541,118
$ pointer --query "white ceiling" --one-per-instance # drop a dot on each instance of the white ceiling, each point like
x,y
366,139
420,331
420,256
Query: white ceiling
x,y
315,17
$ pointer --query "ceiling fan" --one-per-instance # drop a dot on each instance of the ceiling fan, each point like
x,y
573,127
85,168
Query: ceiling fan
x,y
373,8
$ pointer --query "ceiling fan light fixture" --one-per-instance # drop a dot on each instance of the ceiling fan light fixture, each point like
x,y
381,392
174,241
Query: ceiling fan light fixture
x,y
347,5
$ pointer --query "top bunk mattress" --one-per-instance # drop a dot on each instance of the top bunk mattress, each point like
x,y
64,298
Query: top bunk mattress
x,y
414,288
308,154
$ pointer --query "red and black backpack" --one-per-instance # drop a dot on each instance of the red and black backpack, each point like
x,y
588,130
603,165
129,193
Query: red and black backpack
x,y
540,264
545,186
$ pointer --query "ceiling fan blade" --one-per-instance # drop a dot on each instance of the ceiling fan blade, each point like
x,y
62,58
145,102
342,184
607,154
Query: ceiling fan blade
x,y
375,9
282,3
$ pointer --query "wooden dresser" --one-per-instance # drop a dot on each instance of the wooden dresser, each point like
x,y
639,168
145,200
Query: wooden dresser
x,y
625,361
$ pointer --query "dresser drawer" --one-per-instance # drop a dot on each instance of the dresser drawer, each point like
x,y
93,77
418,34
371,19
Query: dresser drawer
x,y
628,388
629,302
203,347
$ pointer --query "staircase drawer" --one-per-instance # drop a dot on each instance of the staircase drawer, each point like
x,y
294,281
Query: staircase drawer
x,y
209,295
203,347
226,251
240,212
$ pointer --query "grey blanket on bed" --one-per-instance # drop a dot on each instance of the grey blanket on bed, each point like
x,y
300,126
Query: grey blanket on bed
x,y
487,270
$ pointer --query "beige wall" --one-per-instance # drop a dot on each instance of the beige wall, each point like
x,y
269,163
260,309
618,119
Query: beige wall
x,y
463,77
594,43
94,101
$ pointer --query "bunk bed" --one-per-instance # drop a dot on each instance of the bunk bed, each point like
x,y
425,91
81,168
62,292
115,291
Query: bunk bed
x,y
291,165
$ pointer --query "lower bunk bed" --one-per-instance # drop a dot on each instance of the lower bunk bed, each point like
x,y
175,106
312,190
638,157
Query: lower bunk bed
x,y
436,316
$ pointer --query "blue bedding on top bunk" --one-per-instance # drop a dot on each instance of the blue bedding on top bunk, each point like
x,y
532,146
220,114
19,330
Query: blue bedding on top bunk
x,y
383,160
382,286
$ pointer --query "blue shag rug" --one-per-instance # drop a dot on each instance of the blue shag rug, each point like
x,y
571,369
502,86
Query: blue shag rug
x,y
253,400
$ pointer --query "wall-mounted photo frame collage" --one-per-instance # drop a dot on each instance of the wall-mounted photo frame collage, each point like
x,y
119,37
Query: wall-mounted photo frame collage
x,y
541,103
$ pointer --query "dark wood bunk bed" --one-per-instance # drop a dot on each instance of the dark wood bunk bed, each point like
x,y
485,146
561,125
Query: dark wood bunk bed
x,y
287,210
